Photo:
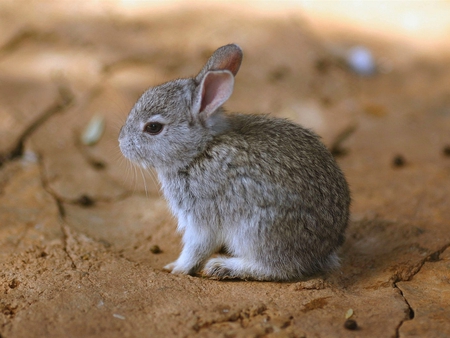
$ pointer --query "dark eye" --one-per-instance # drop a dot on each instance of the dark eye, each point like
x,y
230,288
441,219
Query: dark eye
x,y
153,128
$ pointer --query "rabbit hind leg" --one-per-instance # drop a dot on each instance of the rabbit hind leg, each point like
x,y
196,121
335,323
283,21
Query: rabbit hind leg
x,y
235,267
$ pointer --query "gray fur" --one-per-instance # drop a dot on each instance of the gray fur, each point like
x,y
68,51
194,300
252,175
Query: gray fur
x,y
265,189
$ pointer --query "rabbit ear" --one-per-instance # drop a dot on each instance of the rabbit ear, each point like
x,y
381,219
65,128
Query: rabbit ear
x,y
227,57
216,87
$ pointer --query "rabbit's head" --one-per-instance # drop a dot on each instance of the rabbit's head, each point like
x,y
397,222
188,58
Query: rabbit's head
x,y
172,123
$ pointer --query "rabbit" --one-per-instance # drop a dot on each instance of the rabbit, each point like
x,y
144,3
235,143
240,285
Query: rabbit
x,y
264,190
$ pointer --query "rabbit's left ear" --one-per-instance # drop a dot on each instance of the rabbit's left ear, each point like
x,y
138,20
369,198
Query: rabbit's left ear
x,y
215,88
227,57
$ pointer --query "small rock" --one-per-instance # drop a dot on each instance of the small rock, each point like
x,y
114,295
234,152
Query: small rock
x,y
361,61
349,313
98,164
446,150
93,131
155,249
14,283
278,74
86,201
322,65
350,324
398,161
116,315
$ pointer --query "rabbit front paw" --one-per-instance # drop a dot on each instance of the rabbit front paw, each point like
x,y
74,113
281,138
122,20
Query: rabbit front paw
x,y
178,269
169,267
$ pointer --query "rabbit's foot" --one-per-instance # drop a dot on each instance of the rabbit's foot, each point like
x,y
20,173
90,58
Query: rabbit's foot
x,y
228,268
179,269
217,267
169,267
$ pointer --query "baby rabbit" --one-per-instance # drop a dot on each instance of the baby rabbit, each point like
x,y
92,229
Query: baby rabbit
x,y
265,190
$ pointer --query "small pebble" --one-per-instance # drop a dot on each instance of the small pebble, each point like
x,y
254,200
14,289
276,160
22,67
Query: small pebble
x,y
398,161
350,324
322,65
98,164
116,315
155,249
86,201
93,131
361,61
446,151
278,74
349,313
14,283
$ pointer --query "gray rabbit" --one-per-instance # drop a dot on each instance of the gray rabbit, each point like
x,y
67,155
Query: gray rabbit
x,y
263,189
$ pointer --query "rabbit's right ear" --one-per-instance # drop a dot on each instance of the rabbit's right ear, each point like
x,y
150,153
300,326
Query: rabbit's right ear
x,y
227,57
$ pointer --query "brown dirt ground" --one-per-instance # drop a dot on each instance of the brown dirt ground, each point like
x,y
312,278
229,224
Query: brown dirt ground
x,y
78,226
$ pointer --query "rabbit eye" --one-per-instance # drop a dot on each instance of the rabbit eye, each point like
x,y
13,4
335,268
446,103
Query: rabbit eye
x,y
153,128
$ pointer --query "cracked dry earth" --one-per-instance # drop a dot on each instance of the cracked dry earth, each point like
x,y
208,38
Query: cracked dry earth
x,y
79,226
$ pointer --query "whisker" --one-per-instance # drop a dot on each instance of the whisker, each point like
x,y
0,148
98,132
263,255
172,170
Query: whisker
x,y
153,176
145,183
121,162
135,176
128,170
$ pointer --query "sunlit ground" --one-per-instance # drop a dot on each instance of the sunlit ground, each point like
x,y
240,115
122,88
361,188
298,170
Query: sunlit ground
x,y
424,23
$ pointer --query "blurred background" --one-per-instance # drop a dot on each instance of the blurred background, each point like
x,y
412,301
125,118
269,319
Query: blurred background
x,y
370,77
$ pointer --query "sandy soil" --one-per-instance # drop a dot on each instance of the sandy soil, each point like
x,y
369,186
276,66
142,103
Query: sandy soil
x,y
79,228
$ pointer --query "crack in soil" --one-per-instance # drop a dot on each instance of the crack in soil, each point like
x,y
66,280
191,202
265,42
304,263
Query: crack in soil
x,y
24,35
46,185
84,200
61,211
95,163
65,228
66,245
409,314
434,256
63,101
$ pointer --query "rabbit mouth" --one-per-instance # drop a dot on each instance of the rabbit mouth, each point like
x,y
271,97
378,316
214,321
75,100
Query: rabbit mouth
x,y
130,150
